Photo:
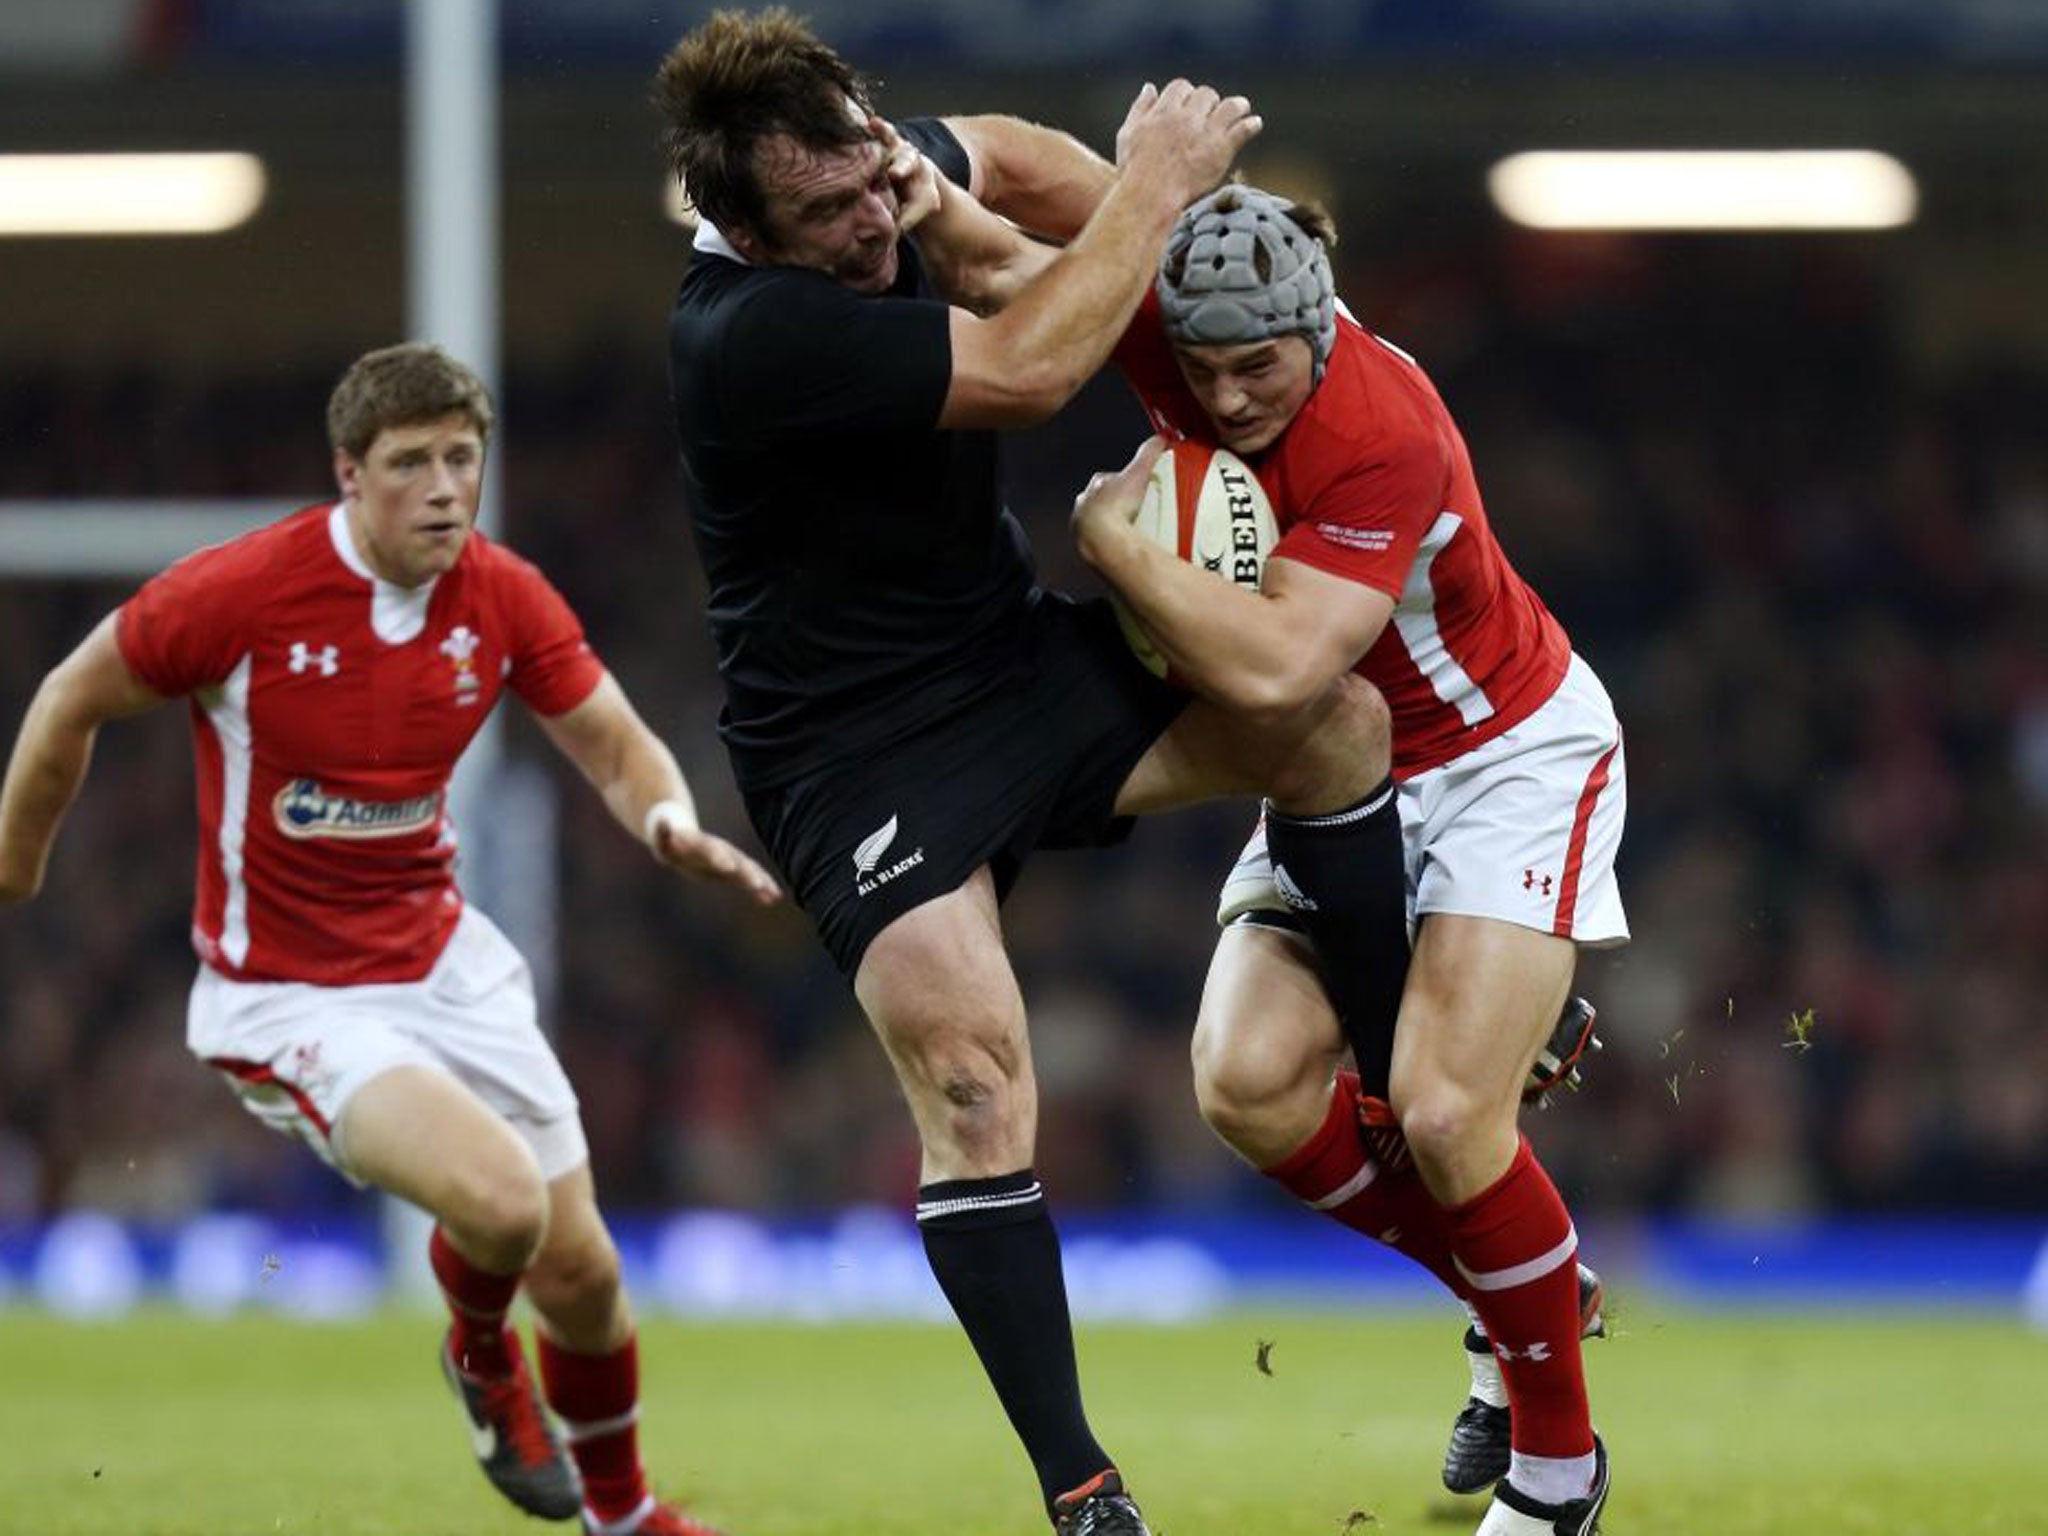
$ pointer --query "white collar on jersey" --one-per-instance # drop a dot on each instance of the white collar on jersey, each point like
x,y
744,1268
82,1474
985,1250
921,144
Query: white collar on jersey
x,y
397,614
710,237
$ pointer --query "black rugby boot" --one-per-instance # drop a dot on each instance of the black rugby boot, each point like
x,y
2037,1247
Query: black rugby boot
x,y
1558,1063
1099,1507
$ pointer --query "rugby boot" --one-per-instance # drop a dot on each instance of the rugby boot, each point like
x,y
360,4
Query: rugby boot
x,y
1477,1456
1099,1507
1557,1064
651,1519
1514,1513
515,1443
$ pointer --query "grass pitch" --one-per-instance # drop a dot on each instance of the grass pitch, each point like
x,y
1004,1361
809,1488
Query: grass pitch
x,y
164,1425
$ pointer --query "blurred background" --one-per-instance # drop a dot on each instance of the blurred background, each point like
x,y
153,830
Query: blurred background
x,y
1786,488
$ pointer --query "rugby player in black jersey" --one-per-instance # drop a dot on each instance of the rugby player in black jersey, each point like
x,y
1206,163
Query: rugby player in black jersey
x,y
909,714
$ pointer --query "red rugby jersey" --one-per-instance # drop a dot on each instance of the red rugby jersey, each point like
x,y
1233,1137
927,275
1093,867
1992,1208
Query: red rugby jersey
x,y
1372,482
328,709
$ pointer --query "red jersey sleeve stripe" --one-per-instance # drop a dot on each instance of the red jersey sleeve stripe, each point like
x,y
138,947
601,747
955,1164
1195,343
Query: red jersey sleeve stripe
x,y
1575,850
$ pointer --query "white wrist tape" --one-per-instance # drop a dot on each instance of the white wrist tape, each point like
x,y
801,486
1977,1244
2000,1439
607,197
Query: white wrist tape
x,y
676,815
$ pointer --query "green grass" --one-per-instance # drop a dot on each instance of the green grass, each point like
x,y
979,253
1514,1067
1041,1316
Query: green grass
x,y
169,1426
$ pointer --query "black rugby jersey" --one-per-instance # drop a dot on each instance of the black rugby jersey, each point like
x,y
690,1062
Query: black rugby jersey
x,y
864,575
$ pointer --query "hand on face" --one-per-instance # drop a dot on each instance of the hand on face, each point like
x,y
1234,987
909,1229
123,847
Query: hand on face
x,y
1186,133
914,177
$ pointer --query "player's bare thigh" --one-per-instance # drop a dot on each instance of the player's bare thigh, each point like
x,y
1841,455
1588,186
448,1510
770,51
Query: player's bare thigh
x,y
1198,757
1482,997
1329,753
1266,1044
419,1133
938,988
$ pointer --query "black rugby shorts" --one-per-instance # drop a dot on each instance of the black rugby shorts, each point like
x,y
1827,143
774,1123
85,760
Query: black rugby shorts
x,y
1035,764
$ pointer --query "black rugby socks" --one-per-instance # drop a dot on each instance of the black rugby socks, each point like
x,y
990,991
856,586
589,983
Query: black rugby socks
x,y
992,1246
1343,875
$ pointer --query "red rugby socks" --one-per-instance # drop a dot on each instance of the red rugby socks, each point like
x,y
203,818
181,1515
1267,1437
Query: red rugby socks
x,y
1335,1173
1516,1255
597,1398
477,1301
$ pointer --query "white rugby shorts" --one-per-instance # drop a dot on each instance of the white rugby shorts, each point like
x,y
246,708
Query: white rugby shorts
x,y
295,1053
1523,829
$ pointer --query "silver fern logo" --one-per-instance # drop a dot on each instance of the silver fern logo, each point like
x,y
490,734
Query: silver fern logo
x,y
872,847
869,873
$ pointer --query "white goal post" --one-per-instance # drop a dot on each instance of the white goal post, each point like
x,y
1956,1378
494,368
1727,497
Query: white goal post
x,y
87,540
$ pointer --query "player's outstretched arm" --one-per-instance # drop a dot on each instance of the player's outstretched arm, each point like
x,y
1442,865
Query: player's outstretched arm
x,y
1019,367
88,688
976,261
635,772
1039,178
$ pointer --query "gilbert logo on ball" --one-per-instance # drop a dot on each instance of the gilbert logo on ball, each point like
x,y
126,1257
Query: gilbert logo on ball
x,y
1205,506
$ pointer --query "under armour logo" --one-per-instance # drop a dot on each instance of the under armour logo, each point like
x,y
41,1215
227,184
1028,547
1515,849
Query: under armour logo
x,y
1291,893
1537,1352
327,658
1531,881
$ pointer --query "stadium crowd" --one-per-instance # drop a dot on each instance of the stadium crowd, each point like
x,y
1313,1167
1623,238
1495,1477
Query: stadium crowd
x,y
1811,565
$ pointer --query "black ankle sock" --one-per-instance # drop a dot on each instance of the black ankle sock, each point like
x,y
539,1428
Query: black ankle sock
x,y
1344,877
992,1246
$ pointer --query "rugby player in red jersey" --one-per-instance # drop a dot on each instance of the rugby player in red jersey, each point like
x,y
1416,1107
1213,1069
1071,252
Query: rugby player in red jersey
x,y
1508,770
336,663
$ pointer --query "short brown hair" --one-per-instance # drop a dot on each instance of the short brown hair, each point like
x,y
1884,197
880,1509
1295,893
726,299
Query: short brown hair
x,y
738,80
403,386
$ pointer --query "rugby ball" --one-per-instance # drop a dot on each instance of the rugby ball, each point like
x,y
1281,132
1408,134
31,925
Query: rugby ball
x,y
1205,506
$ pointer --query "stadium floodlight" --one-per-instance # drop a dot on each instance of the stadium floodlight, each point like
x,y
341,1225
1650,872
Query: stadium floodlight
x,y
128,194
1776,189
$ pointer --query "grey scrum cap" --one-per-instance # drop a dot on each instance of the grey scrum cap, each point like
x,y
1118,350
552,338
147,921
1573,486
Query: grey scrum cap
x,y
1238,269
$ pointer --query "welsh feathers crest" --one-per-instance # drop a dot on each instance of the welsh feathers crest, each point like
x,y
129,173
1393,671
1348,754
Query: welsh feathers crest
x,y
460,648
460,645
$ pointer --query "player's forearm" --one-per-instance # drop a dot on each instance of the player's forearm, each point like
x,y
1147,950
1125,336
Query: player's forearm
x,y
648,780
633,771
1231,646
977,261
44,775
1019,368
1045,180
629,766
1062,326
